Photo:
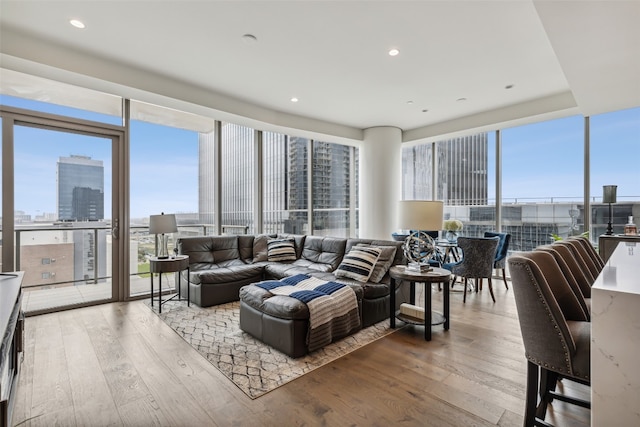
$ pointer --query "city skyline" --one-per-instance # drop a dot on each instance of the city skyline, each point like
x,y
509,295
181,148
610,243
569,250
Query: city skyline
x,y
540,161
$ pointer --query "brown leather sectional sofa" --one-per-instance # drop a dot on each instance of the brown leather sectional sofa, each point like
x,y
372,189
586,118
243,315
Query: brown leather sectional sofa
x,y
221,265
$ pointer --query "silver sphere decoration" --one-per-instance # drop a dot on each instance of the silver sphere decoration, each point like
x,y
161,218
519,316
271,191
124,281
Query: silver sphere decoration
x,y
419,247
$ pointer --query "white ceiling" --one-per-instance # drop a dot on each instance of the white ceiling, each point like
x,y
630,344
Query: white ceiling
x,y
560,57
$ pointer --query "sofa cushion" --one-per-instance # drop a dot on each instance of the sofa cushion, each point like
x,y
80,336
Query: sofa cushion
x,y
281,250
245,247
358,264
280,270
305,263
384,262
280,306
210,249
323,253
230,274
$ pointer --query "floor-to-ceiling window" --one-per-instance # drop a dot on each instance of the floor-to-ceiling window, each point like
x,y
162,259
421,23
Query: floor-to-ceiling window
x,y
417,162
163,159
285,183
63,216
238,179
331,177
615,156
542,181
464,179
64,143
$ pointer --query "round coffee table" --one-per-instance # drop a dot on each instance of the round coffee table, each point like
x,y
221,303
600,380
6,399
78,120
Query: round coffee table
x,y
434,275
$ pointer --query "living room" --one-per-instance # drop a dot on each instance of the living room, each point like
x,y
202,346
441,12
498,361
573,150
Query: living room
x,y
558,86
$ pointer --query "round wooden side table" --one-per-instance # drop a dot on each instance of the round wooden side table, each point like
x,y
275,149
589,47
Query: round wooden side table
x,y
435,275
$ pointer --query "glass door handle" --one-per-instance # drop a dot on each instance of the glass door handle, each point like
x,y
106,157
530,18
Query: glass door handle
x,y
116,229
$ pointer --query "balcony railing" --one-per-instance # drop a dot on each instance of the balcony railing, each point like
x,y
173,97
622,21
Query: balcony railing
x,y
94,250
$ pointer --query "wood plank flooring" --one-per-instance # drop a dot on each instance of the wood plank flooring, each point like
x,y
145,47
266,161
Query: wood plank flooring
x,y
119,364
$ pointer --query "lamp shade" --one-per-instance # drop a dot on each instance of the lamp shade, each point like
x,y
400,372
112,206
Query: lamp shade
x,y
609,193
161,224
420,215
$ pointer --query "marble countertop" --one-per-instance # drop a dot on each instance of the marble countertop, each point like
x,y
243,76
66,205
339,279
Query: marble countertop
x,y
622,270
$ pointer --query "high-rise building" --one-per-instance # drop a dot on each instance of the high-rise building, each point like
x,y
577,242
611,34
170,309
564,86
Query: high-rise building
x,y
285,182
87,204
81,198
80,189
461,165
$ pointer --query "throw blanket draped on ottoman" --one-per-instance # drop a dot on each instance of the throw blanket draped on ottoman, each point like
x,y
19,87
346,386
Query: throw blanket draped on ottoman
x,y
333,308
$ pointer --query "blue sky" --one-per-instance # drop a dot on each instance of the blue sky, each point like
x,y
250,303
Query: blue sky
x,y
164,163
540,161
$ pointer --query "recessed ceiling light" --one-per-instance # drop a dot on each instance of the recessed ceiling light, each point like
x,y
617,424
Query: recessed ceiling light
x,y
508,86
409,102
77,23
461,99
249,39
394,52
294,99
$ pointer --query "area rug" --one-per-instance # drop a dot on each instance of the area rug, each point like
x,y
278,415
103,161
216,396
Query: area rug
x,y
254,367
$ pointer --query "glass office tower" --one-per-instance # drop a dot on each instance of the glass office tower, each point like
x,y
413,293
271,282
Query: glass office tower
x,y
80,189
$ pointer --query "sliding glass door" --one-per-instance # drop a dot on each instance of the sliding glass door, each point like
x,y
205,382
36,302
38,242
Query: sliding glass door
x,y
65,211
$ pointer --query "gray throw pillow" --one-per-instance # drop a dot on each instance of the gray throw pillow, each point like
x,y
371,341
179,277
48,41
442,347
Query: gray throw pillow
x,y
260,247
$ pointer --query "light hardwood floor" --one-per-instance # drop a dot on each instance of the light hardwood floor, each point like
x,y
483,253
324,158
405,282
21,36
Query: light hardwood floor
x,y
119,364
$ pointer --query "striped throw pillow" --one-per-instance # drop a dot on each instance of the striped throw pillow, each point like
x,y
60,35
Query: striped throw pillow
x,y
387,255
281,250
358,264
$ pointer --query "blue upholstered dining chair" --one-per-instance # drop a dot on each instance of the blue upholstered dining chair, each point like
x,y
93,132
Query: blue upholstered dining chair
x,y
500,261
478,255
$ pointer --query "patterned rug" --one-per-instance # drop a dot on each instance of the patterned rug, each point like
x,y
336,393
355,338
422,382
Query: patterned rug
x,y
254,367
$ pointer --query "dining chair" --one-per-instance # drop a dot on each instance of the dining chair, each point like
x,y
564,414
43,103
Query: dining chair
x,y
585,281
584,261
478,255
591,263
564,261
586,244
555,332
500,262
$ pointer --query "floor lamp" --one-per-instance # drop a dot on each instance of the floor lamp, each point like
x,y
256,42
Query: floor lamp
x,y
609,196
420,216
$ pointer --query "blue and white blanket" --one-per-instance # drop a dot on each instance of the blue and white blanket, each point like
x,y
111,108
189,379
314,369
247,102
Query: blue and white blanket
x,y
333,307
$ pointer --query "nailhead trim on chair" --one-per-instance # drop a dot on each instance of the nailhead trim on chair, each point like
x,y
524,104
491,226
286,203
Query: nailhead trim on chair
x,y
555,325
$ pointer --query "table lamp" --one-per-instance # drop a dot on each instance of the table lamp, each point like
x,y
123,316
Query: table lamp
x,y
609,196
161,225
419,216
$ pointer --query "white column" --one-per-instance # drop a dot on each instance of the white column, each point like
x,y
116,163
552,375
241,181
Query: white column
x,y
380,182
